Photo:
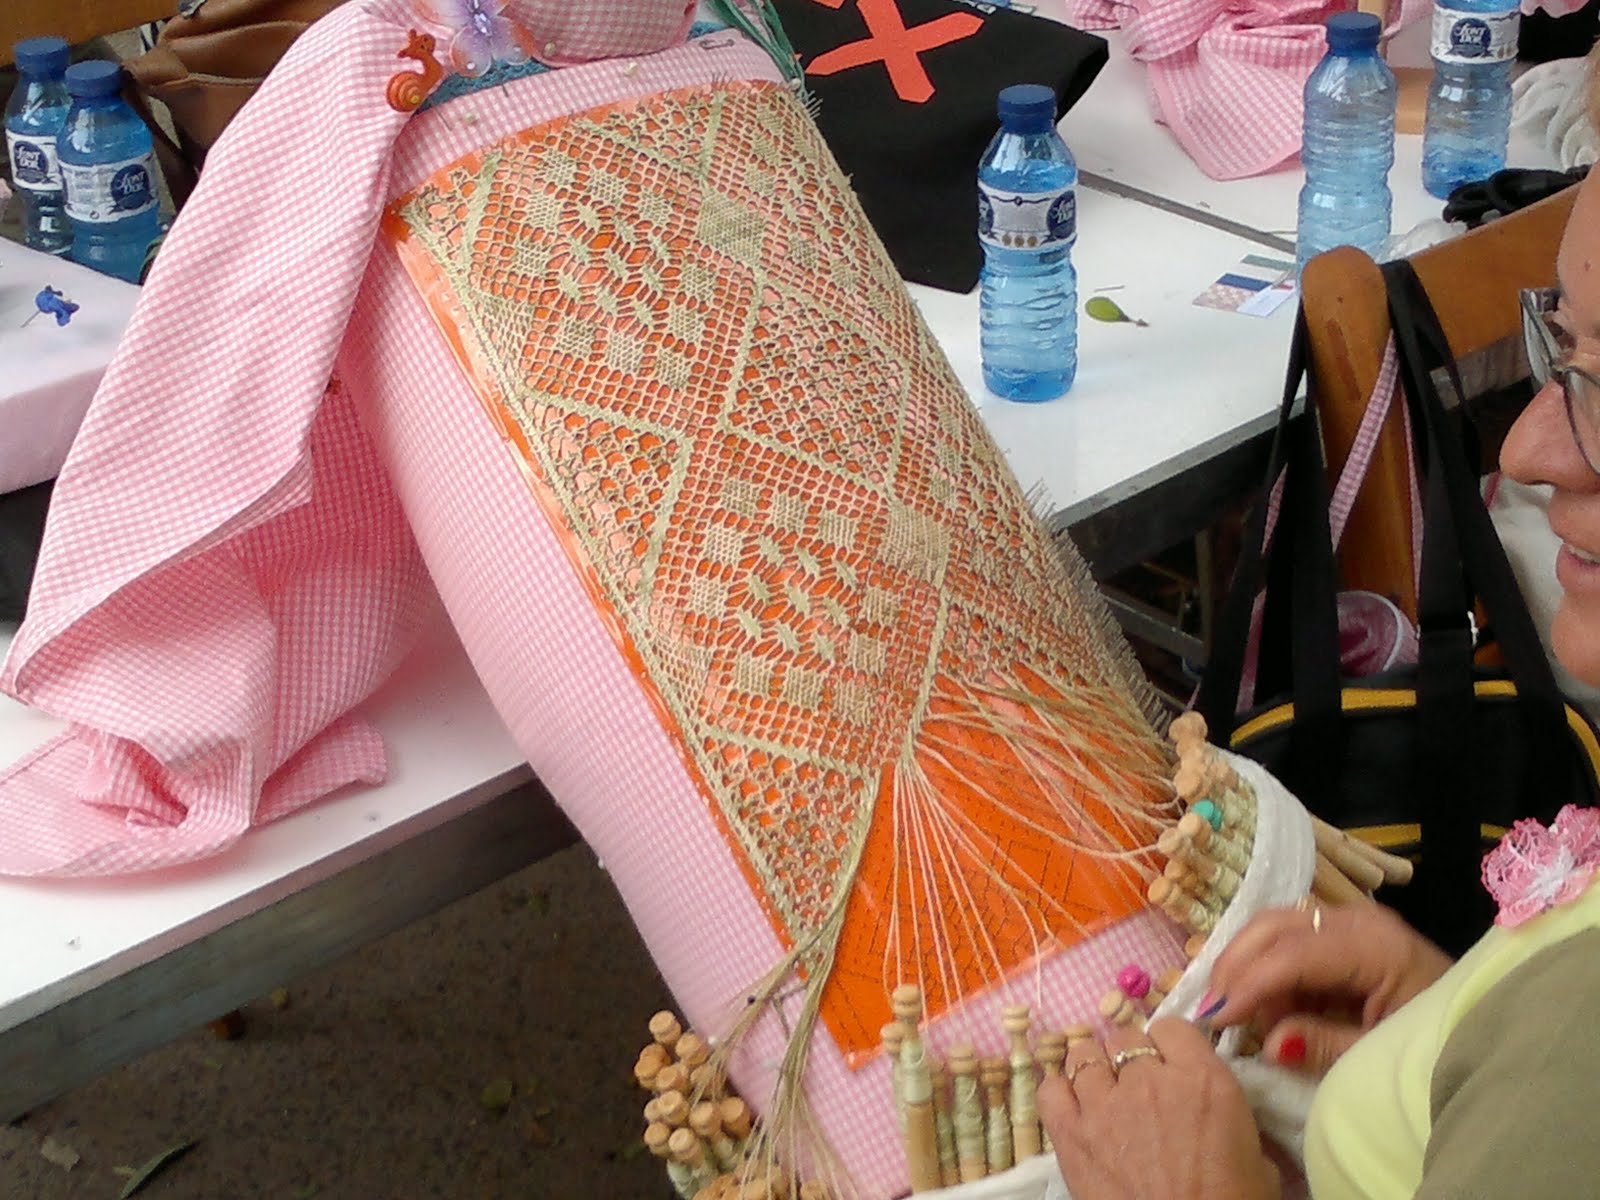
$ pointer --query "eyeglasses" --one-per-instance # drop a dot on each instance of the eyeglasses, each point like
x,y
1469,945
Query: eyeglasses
x,y
1550,347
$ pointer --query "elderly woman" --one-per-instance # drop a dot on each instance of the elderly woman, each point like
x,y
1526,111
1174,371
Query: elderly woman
x,y
1447,1080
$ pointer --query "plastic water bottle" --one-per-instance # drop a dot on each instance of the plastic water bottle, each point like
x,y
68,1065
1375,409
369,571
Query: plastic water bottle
x,y
1347,146
1027,222
106,165
34,117
1469,102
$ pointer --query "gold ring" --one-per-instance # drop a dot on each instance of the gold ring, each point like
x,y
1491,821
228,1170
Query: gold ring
x,y
1310,905
1072,1071
1123,1057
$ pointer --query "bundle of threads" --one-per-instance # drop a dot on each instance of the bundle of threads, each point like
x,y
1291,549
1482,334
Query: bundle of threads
x,y
698,1129
1208,850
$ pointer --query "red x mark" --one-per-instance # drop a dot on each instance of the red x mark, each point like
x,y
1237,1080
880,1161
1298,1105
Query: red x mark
x,y
895,46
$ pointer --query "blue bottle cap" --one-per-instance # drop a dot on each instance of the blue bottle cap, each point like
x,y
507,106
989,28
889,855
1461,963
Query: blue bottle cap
x,y
97,77
1353,31
1027,107
41,56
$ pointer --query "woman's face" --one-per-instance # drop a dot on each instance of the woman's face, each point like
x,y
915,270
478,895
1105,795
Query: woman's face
x,y
1541,447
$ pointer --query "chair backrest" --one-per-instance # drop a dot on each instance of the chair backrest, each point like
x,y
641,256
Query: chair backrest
x,y
1473,282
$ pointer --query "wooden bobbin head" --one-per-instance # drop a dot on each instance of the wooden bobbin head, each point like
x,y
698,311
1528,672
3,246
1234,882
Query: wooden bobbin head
x,y
962,1060
995,1074
705,1120
706,1082
685,1147
1187,727
1117,1009
665,1029
1051,1051
735,1117
673,1108
692,1050
1196,828
1015,1020
1190,781
1195,944
894,1034
656,1138
652,1111
811,1189
1078,1033
672,1078
1168,980
907,1004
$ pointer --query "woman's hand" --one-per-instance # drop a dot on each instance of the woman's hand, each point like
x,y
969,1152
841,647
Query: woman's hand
x,y
1317,979
1167,1126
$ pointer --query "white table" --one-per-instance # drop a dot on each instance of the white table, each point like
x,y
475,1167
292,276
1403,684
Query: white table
x,y
50,371
1115,139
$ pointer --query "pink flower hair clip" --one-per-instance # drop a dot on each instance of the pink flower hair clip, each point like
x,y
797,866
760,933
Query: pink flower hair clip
x,y
1534,869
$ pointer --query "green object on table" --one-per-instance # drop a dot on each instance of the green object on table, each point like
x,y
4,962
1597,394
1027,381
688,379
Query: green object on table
x,y
1103,308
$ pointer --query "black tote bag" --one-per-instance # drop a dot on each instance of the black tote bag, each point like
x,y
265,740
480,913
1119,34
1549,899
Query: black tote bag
x,y
906,94
1432,760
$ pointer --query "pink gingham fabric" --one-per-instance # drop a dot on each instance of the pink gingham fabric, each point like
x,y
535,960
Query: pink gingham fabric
x,y
225,574
1227,76
288,540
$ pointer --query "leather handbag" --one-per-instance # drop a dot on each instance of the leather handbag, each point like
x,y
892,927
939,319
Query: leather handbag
x,y
1434,760
207,61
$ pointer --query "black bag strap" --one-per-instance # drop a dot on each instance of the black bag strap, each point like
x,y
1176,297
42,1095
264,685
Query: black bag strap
x,y
1299,645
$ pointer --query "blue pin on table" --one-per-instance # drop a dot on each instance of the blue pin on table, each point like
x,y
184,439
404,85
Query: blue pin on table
x,y
55,304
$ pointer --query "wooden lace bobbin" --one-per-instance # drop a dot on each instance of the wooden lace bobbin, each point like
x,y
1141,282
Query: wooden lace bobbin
x,y
673,1109
1196,872
894,1036
706,1120
1078,1033
666,1030
1180,906
811,1189
672,1078
1186,729
943,1127
652,1111
995,1074
916,1090
692,1051
966,1113
1161,987
1192,947
651,1059
689,1150
658,1140
1333,886
1117,1010
1338,849
1188,879
1051,1053
736,1118
706,1082
1204,839
1025,1143
1396,870
1190,782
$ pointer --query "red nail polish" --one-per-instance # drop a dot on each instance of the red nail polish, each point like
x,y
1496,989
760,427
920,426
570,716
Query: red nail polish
x,y
1292,1050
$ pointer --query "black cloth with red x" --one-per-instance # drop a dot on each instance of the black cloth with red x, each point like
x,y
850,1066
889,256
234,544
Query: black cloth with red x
x,y
907,91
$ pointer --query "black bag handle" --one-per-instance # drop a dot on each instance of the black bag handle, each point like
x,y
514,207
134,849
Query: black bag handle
x,y
1299,646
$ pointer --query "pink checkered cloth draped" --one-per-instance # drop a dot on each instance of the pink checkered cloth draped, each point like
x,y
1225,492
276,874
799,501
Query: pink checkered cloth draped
x,y
1227,76
214,511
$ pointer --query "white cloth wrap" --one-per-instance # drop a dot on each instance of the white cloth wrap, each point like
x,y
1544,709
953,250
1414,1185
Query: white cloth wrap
x,y
1550,105
1282,861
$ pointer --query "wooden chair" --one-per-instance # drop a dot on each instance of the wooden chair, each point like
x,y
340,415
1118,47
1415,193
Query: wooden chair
x,y
1473,282
75,20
